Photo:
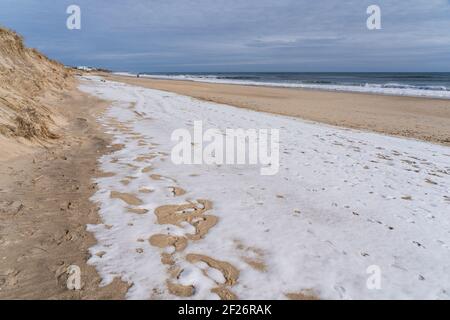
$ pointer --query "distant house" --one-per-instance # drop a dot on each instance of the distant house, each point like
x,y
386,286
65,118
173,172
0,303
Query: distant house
x,y
84,68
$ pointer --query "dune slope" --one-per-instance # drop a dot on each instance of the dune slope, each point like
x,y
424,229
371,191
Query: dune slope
x,y
27,77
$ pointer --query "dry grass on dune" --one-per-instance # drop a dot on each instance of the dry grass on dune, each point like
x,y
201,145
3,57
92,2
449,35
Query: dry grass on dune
x,y
27,79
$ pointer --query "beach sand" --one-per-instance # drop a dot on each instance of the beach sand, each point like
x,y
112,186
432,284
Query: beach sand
x,y
50,142
88,182
419,118
343,202
45,207
105,196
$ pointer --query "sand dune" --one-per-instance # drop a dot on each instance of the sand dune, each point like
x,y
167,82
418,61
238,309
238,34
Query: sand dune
x,y
45,177
30,85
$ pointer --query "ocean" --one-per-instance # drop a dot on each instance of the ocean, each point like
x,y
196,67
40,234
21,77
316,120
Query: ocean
x,y
433,84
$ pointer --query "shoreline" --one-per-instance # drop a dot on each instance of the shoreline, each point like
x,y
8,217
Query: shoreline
x,y
352,89
426,119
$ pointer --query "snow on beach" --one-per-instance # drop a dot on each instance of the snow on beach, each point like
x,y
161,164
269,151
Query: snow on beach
x,y
343,200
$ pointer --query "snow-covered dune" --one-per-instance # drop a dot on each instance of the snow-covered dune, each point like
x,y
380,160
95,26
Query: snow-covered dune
x,y
344,202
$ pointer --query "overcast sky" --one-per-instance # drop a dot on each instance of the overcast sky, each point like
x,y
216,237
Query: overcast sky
x,y
238,35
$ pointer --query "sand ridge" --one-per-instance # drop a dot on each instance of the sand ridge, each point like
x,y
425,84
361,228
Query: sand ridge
x,y
29,83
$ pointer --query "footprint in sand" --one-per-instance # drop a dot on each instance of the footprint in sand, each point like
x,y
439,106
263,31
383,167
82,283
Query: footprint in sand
x,y
144,158
147,169
100,254
146,190
230,273
176,191
159,177
138,210
128,198
163,241
228,276
302,295
180,290
125,182
202,226
132,166
254,257
117,147
105,174
192,213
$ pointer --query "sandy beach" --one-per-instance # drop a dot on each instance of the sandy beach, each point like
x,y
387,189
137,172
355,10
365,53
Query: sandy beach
x,y
219,158
50,142
418,118
105,196
88,179
314,230
44,206
141,227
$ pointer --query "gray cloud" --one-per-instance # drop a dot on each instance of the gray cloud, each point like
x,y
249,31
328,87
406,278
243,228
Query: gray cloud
x,y
231,35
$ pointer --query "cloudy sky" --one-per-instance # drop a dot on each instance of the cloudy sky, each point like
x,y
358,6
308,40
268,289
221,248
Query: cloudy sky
x,y
238,35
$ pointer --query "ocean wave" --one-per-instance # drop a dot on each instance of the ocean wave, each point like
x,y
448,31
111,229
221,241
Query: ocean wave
x,y
389,88
407,86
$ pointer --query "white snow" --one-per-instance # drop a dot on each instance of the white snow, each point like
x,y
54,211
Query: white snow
x,y
342,201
